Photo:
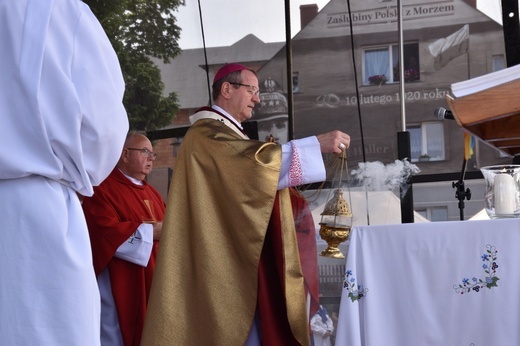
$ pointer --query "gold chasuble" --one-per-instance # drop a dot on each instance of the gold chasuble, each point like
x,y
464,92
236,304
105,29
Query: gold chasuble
x,y
220,206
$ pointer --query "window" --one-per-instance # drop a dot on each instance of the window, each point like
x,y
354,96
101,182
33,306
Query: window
x,y
435,213
381,64
497,62
296,82
427,141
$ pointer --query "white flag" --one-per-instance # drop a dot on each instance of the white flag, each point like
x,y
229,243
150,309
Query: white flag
x,y
446,49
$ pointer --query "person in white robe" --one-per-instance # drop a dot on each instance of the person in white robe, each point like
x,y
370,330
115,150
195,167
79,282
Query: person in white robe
x,y
322,327
62,128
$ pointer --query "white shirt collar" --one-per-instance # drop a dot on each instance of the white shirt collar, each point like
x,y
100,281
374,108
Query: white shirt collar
x,y
217,108
133,180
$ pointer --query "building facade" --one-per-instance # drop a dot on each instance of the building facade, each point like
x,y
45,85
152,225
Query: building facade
x,y
346,73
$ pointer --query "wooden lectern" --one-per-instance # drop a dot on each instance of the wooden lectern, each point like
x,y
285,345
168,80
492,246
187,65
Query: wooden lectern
x,y
492,115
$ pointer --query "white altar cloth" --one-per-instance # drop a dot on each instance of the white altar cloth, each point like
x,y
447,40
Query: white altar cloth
x,y
432,284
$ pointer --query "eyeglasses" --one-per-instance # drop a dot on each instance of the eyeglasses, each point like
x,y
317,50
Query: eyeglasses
x,y
145,151
250,88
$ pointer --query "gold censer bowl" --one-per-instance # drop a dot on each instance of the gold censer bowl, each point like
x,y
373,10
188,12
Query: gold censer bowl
x,y
336,221
333,236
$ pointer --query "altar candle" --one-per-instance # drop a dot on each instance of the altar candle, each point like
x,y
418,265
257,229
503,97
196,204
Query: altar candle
x,y
505,194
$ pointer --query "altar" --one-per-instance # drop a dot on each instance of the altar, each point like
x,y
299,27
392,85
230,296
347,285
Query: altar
x,y
432,284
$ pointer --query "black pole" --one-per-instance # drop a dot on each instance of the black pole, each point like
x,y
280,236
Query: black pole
x,y
205,54
461,194
288,52
354,64
511,28
404,153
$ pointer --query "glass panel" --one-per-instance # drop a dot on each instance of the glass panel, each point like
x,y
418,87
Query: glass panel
x,y
329,85
412,71
376,65
395,63
435,140
423,213
411,62
296,82
498,62
415,142
439,214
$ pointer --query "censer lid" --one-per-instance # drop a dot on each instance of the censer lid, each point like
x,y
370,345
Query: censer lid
x,y
337,206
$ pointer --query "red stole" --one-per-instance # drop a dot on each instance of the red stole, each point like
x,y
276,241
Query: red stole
x,y
274,325
306,235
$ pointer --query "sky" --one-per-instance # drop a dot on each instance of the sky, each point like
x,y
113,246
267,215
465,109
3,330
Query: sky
x,y
228,21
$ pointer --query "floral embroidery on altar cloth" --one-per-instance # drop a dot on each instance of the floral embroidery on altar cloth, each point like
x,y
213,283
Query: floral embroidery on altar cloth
x,y
489,280
355,292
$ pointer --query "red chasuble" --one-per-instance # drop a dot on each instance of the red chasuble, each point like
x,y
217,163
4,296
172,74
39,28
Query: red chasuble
x,y
113,214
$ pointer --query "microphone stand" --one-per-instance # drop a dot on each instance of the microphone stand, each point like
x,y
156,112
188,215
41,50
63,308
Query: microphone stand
x,y
462,194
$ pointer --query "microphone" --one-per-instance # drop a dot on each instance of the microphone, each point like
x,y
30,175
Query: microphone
x,y
443,113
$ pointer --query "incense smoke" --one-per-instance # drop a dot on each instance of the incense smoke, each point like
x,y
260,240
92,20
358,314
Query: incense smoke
x,y
375,176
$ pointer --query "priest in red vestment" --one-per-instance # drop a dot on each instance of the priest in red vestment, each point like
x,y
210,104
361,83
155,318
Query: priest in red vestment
x,y
124,217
